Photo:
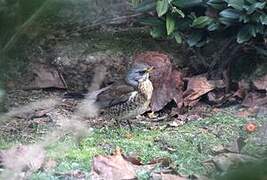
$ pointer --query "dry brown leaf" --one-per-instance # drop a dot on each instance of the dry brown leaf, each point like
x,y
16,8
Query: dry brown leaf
x,y
112,167
133,159
176,123
236,146
167,83
163,161
243,88
162,176
76,174
247,112
197,87
224,161
216,98
45,77
23,158
255,99
115,167
49,164
262,135
243,114
261,83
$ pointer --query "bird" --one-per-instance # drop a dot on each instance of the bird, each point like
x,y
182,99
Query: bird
x,y
125,99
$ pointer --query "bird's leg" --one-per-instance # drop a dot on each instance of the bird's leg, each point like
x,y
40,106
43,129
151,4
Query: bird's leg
x,y
129,124
118,123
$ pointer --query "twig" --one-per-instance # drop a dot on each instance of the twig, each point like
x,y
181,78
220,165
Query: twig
x,y
22,28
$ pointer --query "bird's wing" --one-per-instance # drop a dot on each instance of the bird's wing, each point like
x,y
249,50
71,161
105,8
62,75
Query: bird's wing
x,y
115,95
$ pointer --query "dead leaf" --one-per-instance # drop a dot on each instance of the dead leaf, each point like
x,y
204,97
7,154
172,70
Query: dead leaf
x,y
112,167
261,138
175,123
133,159
255,99
219,149
197,87
197,177
163,161
128,135
261,83
161,176
76,174
216,98
23,158
167,83
45,77
218,84
226,160
49,164
236,146
243,88
116,167
243,114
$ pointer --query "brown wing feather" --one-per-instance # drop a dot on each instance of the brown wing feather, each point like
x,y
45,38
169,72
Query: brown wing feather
x,y
114,95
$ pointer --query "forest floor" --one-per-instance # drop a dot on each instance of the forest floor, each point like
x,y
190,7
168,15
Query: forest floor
x,y
198,147
199,142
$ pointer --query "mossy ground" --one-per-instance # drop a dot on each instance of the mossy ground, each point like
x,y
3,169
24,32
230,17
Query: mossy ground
x,y
186,146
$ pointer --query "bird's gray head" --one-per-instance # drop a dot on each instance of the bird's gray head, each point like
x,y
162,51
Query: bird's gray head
x,y
138,73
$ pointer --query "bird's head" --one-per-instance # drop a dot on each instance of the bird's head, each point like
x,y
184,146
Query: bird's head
x,y
138,73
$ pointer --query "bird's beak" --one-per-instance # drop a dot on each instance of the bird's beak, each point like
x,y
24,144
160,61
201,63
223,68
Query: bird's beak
x,y
149,69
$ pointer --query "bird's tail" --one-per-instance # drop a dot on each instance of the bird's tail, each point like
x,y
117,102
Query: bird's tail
x,y
74,95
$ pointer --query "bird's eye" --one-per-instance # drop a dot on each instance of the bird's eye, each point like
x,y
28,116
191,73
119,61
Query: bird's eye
x,y
142,72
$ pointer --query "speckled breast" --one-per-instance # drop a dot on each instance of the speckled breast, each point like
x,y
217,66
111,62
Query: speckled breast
x,y
131,108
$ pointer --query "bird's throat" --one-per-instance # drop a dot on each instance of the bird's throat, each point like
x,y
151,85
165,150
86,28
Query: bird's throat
x,y
146,89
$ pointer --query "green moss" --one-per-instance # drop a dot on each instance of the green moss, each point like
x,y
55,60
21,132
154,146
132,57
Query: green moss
x,y
186,146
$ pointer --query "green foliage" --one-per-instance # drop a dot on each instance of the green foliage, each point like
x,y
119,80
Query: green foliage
x,y
13,14
196,21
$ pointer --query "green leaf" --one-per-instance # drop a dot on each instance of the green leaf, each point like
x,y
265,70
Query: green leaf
x,y
216,4
178,11
227,21
151,21
263,19
230,13
194,38
162,7
236,4
261,50
251,9
183,24
244,34
213,26
170,24
244,18
178,37
251,1
201,21
252,30
201,44
260,5
187,3
146,6
259,29
157,32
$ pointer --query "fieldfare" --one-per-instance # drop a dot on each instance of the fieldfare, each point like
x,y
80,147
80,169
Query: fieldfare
x,y
127,99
